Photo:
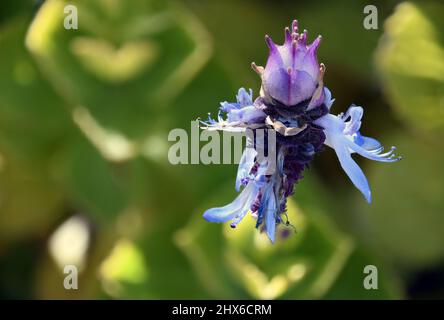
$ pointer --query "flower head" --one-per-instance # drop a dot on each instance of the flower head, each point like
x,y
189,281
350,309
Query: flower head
x,y
295,105
292,73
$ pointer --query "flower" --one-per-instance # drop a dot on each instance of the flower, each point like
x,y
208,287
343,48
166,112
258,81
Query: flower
x,y
342,134
292,73
240,115
295,106
260,195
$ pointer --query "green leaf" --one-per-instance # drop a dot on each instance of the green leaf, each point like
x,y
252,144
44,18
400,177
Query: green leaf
x,y
242,263
31,202
404,222
127,61
411,61
33,127
93,184
33,118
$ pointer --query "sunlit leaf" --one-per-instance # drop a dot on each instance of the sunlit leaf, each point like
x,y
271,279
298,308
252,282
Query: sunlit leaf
x,y
124,267
125,63
411,61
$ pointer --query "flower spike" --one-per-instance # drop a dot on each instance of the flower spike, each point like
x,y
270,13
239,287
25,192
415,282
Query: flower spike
x,y
295,105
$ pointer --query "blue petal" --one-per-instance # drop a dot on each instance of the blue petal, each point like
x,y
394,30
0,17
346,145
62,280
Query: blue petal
x,y
344,145
244,98
228,106
333,127
350,167
245,165
355,114
238,208
270,219
268,209
248,114
367,143
328,101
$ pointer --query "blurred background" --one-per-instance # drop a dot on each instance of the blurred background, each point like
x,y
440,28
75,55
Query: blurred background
x,y
85,179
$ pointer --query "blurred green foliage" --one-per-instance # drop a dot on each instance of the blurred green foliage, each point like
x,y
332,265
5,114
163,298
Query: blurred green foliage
x,y
84,119
411,59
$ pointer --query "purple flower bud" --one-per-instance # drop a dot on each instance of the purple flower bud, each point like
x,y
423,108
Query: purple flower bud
x,y
292,73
